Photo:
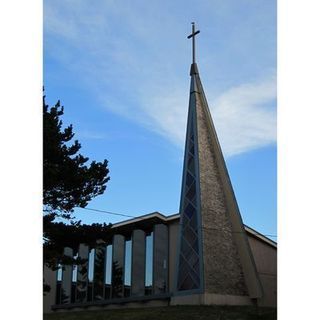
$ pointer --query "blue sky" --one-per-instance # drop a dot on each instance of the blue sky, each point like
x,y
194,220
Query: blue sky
x,y
121,69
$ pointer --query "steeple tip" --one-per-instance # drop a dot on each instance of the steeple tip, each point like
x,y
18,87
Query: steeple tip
x,y
194,69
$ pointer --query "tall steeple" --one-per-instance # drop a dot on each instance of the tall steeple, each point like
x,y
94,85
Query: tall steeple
x,y
214,257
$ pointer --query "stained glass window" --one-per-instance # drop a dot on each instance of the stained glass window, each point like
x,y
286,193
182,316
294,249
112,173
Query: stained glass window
x,y
188,272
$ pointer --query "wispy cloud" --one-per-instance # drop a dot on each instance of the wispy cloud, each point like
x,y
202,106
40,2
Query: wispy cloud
x,y
90,135
135,70
245,116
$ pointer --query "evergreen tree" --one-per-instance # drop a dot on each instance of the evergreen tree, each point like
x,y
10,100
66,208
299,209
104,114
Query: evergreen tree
x,y
68,182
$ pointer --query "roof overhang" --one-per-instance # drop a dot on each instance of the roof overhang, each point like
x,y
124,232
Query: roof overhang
x,y
146,222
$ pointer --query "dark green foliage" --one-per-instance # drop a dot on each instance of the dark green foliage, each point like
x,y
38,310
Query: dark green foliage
x,y
117,280
68,182
59,235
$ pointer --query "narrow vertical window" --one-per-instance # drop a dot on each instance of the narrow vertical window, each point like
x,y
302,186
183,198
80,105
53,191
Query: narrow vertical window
x,y
59,272
127,268
59,280
91,265
108,275
75,269
90,274
74,278
149,264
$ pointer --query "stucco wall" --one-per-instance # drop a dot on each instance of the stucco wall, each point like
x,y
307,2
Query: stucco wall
x,y
173,239
265,256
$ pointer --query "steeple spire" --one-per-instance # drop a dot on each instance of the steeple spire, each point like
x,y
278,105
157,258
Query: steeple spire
x,y
214,257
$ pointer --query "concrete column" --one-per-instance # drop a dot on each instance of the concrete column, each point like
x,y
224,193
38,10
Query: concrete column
x,y
117,266
160,258
49,298
99,272
66,279
82,279
138,263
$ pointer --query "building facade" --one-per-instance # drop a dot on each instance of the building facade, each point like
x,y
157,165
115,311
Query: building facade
x,y
203,255
144,253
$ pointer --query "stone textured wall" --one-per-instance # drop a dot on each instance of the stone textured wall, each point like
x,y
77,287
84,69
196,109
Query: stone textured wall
x,y
222,269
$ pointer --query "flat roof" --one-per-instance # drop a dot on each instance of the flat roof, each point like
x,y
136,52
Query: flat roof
x,y
157,217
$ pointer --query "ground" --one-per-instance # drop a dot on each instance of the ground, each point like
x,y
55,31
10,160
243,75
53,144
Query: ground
x,y
171,313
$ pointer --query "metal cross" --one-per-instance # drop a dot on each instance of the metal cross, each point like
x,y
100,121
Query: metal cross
x,y
192,35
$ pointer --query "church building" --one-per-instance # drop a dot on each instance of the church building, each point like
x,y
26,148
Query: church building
x,y
203,255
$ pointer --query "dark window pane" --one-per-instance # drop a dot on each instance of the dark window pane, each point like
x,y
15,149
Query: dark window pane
x,y
58,293
90,293
191,149
73,292
191,192
194,223
189,179
191,164
185,248
195,246
188,284
189,235
189,210
107,291
127,290
148,290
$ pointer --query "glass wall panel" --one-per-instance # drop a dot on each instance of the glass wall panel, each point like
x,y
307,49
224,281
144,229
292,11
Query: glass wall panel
x,y
127,267
74,280
90,274
75,270
58,287
59,272
189,259
91,265
149,264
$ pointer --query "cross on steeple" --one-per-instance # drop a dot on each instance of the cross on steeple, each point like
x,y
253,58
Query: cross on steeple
x,y
192,35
